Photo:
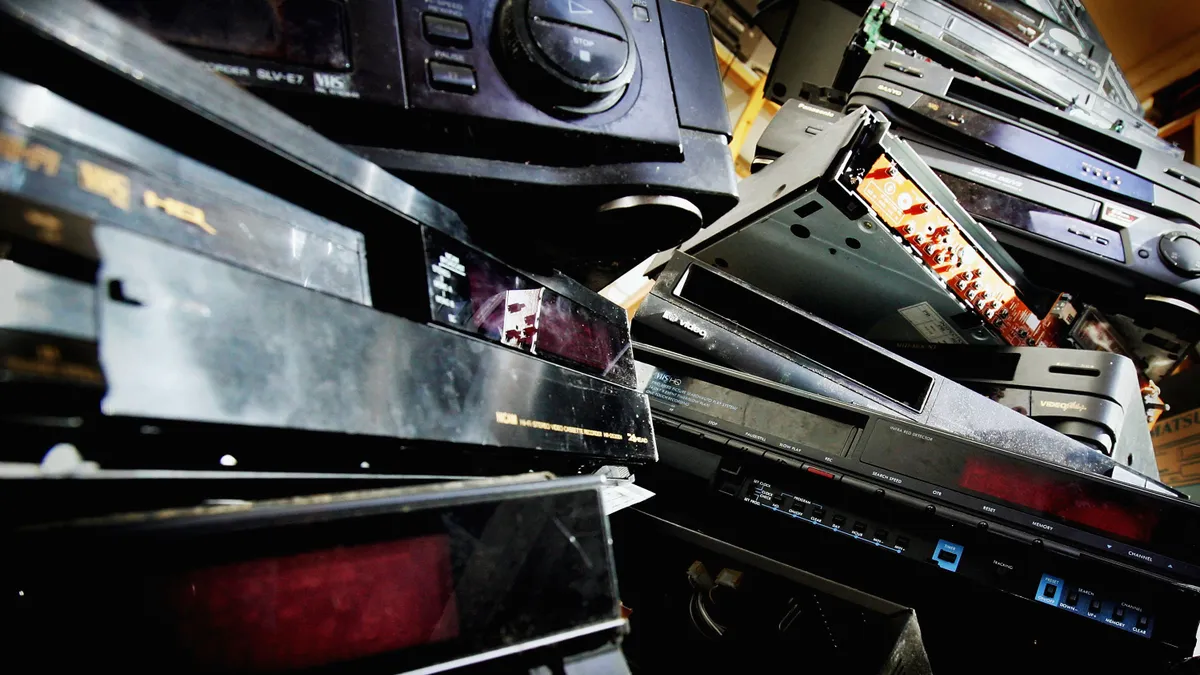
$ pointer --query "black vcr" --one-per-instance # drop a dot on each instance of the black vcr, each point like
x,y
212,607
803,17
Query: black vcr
x,y
1107,552
609,114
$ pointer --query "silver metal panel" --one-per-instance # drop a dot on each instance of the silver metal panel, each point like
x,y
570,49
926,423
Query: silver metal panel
x,y
32,300
842,268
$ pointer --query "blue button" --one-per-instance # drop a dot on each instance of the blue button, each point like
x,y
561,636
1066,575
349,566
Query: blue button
x,y
948,555
1050,590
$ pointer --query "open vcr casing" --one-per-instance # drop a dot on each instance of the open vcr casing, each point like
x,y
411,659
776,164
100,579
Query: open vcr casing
x,y
854,227
699,311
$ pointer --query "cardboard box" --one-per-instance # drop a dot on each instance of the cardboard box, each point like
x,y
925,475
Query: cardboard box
x,y
1177,448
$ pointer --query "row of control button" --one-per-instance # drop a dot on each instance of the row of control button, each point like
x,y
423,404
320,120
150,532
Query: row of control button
x,y
1087,235
766,495
947,555
1055,592
1099,173
449,32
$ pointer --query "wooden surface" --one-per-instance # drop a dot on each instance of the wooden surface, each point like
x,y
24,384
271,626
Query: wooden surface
x,y
754,105
1177,448
752,83
1154,41
1177,126
741,75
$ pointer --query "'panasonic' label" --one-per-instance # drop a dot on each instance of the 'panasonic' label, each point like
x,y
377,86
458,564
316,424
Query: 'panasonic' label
x,y
816,111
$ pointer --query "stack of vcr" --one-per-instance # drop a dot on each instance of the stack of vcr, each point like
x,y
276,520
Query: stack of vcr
x,y
1084,232
209,303
981,232
854,227
1077,206
786,435
1083,196
203,310
980,541
847,241
1051,52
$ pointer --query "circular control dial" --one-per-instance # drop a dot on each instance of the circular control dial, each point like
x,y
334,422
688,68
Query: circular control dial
x,y
572,55
1181,252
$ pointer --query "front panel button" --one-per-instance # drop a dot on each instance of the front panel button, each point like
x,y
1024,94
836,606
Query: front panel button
x,y
948,555
597,15
452,77
446,31
581,54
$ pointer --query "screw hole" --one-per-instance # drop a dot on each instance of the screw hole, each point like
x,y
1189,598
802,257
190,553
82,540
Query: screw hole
x,y
779,190
808,209
833,251
721,262
801,231
853,243
779,89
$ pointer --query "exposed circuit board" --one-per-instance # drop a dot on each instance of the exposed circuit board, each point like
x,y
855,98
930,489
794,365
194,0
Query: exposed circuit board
x,y
937,241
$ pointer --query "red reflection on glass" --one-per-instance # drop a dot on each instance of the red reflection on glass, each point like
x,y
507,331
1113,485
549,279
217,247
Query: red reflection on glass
x,y
541,321
1071,501
315,608
566,331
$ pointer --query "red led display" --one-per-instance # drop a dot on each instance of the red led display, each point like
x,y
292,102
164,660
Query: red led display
x,y
1071,501
315,608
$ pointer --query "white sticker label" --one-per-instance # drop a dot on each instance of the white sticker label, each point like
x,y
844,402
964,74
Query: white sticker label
x,y
617,496
931,325
522,309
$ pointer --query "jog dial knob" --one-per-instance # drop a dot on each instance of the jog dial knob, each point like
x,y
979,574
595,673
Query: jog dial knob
x,y
1181,252
573,56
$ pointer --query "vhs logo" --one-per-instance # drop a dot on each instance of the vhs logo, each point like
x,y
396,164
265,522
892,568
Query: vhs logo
x,y
337,84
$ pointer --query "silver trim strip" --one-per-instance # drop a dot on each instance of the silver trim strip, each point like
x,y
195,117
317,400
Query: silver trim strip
x,y
516,649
